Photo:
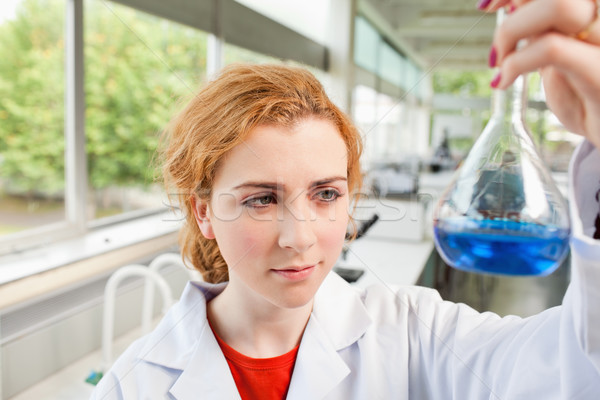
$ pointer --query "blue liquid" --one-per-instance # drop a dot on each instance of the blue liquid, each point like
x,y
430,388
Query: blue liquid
x,y
501,246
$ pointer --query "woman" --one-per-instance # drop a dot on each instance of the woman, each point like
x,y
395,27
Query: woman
x,y
265,165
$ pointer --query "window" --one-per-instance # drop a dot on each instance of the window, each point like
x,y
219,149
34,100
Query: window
x,y
79,132
375,55
366,45
389,127
137,68
32,145
391,64
364,109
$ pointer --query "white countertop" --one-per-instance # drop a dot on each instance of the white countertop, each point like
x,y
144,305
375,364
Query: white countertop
x,y
387,262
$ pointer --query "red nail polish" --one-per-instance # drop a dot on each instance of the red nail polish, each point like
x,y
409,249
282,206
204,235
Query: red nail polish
x,y
494,83
482,4
492,57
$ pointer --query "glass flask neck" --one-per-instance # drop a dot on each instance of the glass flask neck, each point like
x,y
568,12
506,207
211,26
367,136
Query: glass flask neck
x,y
511,101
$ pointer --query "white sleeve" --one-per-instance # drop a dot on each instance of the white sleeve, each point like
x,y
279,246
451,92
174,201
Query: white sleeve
x,y
458,353
580,325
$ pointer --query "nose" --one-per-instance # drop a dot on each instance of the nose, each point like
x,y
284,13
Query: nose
x,y
297,230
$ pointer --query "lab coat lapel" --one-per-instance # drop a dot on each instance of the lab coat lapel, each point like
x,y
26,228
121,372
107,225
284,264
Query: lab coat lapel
x,y
171,344
338,320
207,374
340,311
184,341
319,368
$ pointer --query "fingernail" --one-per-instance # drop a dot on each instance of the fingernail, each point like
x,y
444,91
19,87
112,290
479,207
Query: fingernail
x,y
492,57
482,4
494,83
511,8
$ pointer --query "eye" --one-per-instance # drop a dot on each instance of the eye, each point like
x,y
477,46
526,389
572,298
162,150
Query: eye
x,y
260,201
328,195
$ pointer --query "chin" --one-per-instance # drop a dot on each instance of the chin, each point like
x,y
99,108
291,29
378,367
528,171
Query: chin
x,y
298,296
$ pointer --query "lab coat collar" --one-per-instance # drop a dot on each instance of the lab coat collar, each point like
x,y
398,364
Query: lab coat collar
x,y
319,368
173,341
340,311
207,374
184,341
338,320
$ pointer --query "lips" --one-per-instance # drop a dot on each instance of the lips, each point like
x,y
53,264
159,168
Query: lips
x,y
295,272
296,268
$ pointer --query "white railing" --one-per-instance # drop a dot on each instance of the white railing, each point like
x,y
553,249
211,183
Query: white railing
x,y
152,279
162,261
108,322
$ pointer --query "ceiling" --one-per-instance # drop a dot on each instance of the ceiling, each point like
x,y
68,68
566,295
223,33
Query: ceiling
x,y
437,33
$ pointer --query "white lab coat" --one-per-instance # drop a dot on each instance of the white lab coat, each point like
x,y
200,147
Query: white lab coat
x,y
397,342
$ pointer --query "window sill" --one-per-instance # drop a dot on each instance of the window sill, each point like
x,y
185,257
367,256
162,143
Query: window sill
x,y
33,273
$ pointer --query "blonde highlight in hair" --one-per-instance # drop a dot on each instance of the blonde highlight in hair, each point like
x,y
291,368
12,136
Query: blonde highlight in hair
x,y
221,116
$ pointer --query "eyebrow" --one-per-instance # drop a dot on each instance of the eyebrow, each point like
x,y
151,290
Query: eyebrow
x,y
276,186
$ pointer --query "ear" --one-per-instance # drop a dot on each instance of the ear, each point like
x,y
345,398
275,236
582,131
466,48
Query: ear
x,y
202,215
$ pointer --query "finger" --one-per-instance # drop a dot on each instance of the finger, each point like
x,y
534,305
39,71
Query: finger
x,y
541,16
565,63
492,5
563,96
586,121
570,56
591,33
509,4
562,99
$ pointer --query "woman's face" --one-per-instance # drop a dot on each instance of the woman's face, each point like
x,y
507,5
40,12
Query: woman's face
x,y
279,211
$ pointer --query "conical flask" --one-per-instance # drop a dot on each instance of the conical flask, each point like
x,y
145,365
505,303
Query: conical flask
x,y
502,213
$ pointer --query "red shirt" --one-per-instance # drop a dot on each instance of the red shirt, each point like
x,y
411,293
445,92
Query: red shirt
x,y
260,378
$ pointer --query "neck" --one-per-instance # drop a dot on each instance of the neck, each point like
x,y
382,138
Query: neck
x,y
255,327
